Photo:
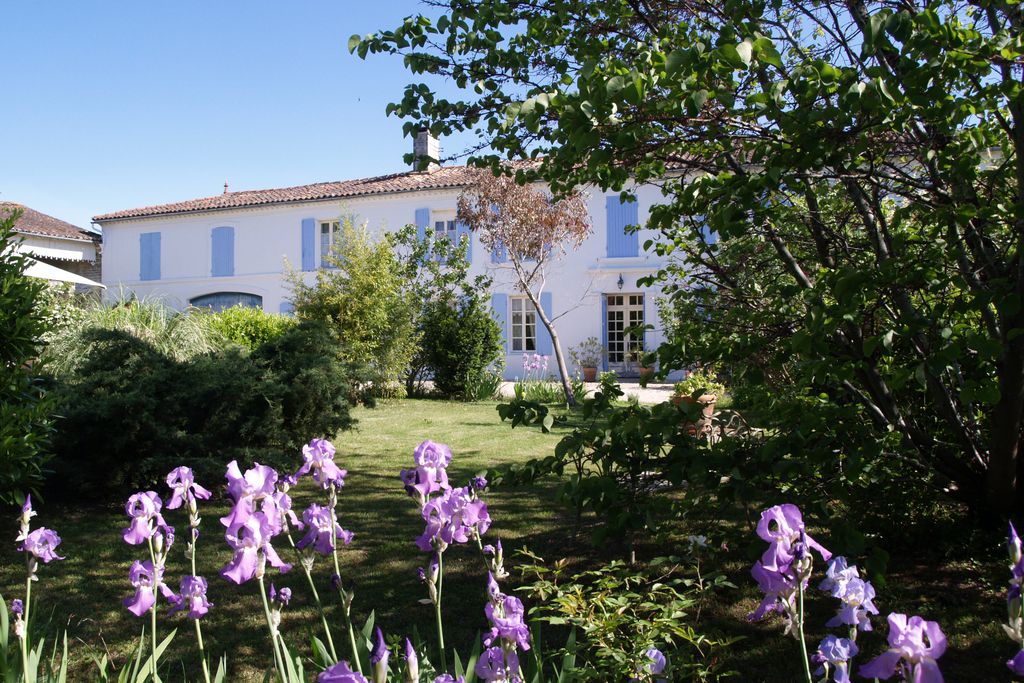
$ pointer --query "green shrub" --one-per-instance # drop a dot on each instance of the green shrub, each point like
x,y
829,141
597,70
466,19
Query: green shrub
x,y
363,300
132,413
247,326
25,407
177,335
461,343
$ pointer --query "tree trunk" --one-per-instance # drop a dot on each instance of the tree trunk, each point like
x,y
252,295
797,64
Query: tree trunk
x,y
563,372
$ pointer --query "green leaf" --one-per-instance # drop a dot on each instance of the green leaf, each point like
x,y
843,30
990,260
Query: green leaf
x,y
745,50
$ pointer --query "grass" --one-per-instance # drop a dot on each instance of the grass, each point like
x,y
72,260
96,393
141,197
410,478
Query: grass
x,y
932,572
84,592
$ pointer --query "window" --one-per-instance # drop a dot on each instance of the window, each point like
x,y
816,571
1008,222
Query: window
x,y
524,324
446,229
218,301
328,236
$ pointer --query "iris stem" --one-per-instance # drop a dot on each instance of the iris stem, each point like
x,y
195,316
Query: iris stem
x,y
437,610
800,630
193,529
316,595
152,610
345,602
278,661
29,676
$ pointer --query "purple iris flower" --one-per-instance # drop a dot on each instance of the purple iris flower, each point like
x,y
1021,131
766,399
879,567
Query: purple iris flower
x,y
857,595
914,647
248,540
836,653
478,483
17,607
448,678
454,517
430,474
837,574
785,566
146,581
412,662
782,527
27,513
655,661
341,673
1016,664
318,458
277,508
506,617
191,596
283,596
42,544
144,510
184,488
246,490
379,657
321,530
497,665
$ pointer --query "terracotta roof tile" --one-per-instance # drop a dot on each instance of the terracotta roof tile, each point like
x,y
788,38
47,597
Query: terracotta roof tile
x,y
444,177
35,223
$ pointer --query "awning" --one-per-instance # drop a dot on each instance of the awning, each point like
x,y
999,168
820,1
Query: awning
x,y
44,271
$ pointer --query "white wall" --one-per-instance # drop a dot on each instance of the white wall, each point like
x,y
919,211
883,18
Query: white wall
x,y
265,237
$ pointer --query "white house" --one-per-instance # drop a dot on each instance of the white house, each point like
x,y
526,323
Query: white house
x,y
60,251
232,249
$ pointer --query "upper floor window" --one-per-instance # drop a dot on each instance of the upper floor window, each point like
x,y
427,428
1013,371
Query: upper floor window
x,y
328,236
446,229
524,324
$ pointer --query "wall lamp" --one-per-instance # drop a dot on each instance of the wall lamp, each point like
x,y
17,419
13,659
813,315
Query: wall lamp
x,y
620,282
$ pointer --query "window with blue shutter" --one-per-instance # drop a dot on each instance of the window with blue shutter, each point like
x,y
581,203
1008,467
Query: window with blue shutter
x,y
422,223
308,244
621,244
499,254
149,256
222,252
499,306
544,346
462,231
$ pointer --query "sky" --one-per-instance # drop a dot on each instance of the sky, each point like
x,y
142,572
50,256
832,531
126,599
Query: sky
x,y
113,105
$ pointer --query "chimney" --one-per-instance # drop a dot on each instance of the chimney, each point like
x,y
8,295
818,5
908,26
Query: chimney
x,y
426,152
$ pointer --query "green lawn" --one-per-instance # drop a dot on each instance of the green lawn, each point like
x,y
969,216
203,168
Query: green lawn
x,y
84,592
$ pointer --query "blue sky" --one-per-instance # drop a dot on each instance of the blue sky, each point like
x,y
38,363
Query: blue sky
x,y
113,105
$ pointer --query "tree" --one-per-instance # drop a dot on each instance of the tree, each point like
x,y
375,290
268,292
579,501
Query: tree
x,y
868,156
436,278
362,297
533,230
26,408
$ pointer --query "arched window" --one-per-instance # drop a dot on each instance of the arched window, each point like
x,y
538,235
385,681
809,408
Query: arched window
x,y
218,301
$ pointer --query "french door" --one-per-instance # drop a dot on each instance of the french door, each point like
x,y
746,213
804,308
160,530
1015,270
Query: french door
x,y
624,348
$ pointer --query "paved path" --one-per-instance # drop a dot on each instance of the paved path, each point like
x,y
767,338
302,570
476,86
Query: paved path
x,y
652,393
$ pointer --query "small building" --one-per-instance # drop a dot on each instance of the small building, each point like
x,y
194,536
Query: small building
x,y
66,249
231,249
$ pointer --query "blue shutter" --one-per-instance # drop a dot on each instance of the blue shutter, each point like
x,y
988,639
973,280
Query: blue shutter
x,y
222,252
620,243
462,230
499,254
604,331
544,346
422,223
499,305
286,308
308,244
149,256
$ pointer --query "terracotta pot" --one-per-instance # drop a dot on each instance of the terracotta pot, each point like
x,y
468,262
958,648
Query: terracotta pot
x,y
589,374
706,400
646,371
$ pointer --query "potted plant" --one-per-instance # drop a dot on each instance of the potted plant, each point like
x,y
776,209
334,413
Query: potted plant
x,y
699,386
588,356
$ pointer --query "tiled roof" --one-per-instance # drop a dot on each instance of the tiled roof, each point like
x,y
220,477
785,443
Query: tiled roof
x,y
443,177
34,223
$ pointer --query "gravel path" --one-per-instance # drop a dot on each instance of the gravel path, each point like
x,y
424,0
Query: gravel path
x,y
652,393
